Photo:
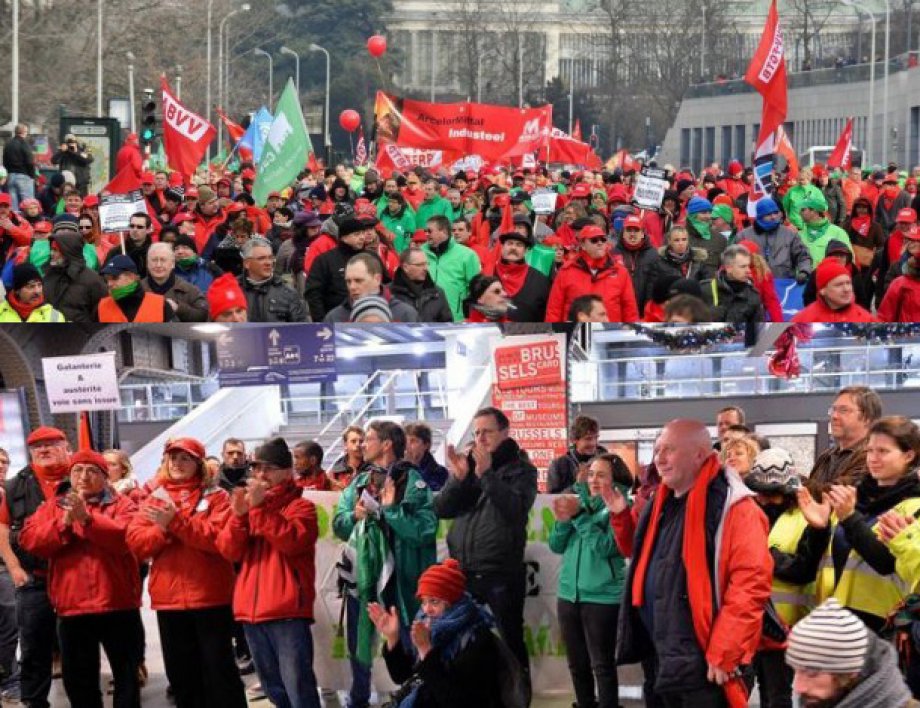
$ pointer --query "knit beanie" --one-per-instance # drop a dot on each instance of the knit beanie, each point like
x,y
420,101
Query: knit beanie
x,y
444,581
274,452
188,241
88,457
224,294
773,472
765,207
23,274
723,212
371,306
816,201
829,269
830,640
698,205
205,194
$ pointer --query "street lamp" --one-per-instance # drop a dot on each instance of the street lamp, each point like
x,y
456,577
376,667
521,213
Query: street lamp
x,y
130,57
207,100
328,142
285,50
271,69
479,75
179,81
887,69
15,66
99,58
220,67
871,126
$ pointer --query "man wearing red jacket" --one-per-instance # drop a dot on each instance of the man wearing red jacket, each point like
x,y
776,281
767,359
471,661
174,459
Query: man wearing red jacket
x,y
272,534
94,581
593,271
698,615
902,299
14,229
835,301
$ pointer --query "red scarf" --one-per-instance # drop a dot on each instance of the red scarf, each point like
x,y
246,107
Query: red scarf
x,y
23,310
696,563
512,276
477,316
596,263
185,494
861,224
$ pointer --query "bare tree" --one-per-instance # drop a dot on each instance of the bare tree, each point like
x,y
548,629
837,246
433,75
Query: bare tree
x,y
805,20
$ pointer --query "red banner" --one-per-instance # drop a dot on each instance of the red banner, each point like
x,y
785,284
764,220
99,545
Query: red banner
x,y
570,151
529,387
493,132
841,156
186,135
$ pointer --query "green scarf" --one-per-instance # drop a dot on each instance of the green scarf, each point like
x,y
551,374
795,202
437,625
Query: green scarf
x,y
815,231
124,291
701,227
374,568
186,263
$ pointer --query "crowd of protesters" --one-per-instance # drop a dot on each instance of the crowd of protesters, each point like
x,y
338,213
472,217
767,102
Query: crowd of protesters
x,y
716,566
351,244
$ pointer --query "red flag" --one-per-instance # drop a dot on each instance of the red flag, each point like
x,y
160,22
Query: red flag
x,y
85,433
841,156
186,135
767,74
361,150
125,181
784,148
576,131
234,130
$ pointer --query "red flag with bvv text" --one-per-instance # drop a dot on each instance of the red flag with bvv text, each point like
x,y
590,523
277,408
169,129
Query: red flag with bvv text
x,y
842,154
767,74
186,135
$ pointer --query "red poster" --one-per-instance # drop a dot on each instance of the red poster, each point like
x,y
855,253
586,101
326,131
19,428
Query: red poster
x,y
493,132
529,386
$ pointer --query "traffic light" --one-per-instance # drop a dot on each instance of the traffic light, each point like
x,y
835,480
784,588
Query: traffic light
x,y
148,119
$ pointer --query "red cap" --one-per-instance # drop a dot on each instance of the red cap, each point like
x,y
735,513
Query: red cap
x,y
224,180
445,582
818,170
43,434
724,199
88,457
828,270
580,191
191,192
911,181
6,199
90,200
632,221
735,168
913,234
248,173
147,178
274,195
183,217
190,445
906,216
618,193
31,201
225,294
419,236
42,227
591,232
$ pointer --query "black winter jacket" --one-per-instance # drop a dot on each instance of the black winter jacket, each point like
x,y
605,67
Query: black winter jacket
x,y
73,289
325,286
695,269
427,298
563,471
273,301
530,301
640,264
732,302
490,513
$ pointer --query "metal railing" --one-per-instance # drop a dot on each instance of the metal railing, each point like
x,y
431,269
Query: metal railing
x,y
160,401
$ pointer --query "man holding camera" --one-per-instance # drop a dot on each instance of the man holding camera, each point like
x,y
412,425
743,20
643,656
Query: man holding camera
x,y
75,158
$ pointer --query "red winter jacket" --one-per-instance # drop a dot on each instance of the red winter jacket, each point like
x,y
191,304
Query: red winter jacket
x,y
205,227
188,572
90,568
276,546
612,283
766,286
317,247
818,311
902,301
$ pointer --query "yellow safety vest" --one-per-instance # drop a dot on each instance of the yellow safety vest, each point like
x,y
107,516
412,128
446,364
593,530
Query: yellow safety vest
x,y
45,313
860,587
792,602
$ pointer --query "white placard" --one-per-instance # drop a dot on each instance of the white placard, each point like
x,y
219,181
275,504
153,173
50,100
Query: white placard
x,y
650,188
543,202
115,210
81,383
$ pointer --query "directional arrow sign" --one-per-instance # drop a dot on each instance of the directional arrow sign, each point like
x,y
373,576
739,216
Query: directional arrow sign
x,y
273,354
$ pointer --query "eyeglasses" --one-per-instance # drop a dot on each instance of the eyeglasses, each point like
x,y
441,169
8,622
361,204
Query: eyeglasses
x,y
842,410
597,239
139,227
86,228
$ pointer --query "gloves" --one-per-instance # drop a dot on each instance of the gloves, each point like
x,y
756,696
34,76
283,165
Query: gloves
x,y
801,277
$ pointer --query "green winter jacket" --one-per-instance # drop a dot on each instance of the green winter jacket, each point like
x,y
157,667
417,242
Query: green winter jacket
x,y
438,206
794,198
816,236
592,566
402,226
452,268
410,526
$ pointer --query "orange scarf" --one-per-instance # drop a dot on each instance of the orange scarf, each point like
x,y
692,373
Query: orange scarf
x,y
699,574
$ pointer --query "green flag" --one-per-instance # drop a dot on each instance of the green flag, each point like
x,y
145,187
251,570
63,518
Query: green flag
x,y
286,148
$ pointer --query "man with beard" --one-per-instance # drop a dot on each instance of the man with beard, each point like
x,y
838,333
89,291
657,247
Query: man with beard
x,y
208,216
839,663
25,302
70,286
373,187
527,287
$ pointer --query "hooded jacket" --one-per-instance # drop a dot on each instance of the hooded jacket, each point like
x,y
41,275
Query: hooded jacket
x,y
611,282
783,249
73,289
695,268
427,298
273,301
902,299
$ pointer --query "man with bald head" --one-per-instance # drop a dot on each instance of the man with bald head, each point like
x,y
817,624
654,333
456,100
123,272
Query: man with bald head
x,y
693,602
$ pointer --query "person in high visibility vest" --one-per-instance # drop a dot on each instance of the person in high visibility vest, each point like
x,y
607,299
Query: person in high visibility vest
x,y
25,302
127,300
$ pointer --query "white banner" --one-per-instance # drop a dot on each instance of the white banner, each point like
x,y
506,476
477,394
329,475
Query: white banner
x,y
549,670
650,188
115,210
81,383
543,202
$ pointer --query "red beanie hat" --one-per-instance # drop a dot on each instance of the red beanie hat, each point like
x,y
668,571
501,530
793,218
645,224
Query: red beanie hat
x,y
43,434
750,245
88,457
828,270
225,293
445,582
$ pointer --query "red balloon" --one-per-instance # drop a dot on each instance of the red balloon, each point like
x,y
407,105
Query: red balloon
x,y
349,120
377,46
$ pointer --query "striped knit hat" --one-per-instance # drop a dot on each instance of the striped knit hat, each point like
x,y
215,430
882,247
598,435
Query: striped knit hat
x,y
773,472
830,640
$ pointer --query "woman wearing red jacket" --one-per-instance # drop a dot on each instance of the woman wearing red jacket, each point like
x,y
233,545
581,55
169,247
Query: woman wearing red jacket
x,y
94,583
272,534
764,282
191,585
